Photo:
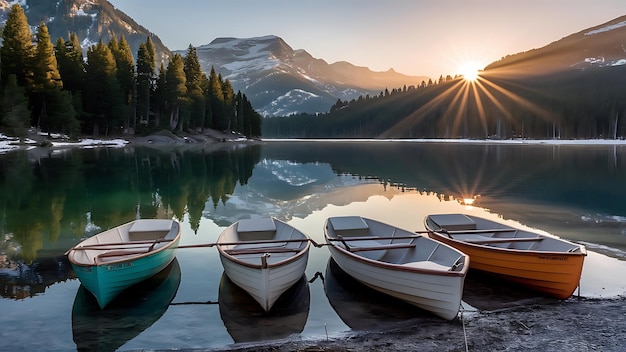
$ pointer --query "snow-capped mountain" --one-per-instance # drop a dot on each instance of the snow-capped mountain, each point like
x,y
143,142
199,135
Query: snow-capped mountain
x,y
596,47
91,20
280,81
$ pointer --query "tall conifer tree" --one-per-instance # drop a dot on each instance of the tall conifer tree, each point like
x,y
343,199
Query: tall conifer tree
x,y
102,97
71,64
125,64
193,75
17,47
15,114
160,95
48,102
216,99
145,81
176,90
229,105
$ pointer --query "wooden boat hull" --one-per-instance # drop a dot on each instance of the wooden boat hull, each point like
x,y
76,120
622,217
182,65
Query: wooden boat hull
x,y
265,285
436,290
555,273
265,273
362,308
105,280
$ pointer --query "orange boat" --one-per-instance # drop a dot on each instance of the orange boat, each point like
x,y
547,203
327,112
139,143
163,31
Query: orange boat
x,y
544,263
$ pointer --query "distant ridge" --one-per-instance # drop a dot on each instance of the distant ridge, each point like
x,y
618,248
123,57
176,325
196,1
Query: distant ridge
x,y
600,46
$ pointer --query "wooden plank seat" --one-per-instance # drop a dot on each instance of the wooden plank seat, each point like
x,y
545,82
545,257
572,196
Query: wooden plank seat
x,y
256,229
145,230
261,250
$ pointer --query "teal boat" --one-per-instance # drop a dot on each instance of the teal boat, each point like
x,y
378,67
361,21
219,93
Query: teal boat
x,y
111,261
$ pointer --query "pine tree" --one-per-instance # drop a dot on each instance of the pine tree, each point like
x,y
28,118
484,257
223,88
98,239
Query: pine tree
x,y
160,95
145,81
229,105
45,71
151,54
15,114
251,120
125,64
17,47
193,75
216,100
71,64
176,90
102,97
48,103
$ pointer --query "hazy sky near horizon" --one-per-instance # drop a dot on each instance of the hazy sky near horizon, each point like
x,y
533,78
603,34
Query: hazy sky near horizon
x,y
416,37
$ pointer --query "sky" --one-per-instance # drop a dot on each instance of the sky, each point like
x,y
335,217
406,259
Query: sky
x,y
414,37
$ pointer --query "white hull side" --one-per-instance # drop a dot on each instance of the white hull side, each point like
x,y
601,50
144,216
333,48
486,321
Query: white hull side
x,y
439,294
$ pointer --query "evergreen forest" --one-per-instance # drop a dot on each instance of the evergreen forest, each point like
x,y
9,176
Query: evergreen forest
x,y
56,89
570,104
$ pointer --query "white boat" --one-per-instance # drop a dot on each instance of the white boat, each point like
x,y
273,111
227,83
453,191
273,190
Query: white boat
x,y
111,261
263,256
413,268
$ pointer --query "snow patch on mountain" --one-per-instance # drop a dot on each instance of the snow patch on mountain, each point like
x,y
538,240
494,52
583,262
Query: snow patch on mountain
x,y
288,103
607,28
7,4
279,80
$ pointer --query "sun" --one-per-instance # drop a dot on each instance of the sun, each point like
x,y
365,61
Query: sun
x,y
470,71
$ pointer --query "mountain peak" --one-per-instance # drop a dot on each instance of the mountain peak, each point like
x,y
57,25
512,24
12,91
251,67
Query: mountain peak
x,y
281,81
265,46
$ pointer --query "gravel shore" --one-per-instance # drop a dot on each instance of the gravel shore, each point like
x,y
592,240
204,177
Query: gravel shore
x,y
577,324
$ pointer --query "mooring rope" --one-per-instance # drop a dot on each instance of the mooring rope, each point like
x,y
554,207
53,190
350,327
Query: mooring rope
x,y
464,332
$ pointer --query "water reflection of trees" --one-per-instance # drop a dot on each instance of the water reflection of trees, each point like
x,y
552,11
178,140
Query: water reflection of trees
x,y
55,197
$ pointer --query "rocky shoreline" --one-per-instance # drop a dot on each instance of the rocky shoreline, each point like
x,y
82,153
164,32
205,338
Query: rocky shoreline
x,y
575,325
34,139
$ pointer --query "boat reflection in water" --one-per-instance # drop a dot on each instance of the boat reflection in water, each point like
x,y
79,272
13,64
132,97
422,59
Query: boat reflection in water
x,y
246,321
362,308
129,314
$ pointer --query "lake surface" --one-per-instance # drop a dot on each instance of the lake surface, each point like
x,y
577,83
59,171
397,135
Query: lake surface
x,y
52,199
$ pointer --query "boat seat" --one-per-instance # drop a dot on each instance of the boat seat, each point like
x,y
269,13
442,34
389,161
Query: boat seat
x,y
470,237
256,229
347,226
425,264
146,230
453,222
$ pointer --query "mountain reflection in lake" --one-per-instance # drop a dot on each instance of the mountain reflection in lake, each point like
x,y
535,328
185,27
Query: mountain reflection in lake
x,y
50,201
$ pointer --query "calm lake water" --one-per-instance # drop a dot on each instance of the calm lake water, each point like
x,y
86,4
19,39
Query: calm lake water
x,y
51,199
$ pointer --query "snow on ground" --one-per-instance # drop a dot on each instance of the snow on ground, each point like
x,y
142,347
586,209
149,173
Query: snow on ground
x,y
11,143
607,28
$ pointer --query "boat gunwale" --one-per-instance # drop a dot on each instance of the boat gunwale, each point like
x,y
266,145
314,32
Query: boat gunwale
x,y
401,267
132,256
298,252
582,250
334,243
